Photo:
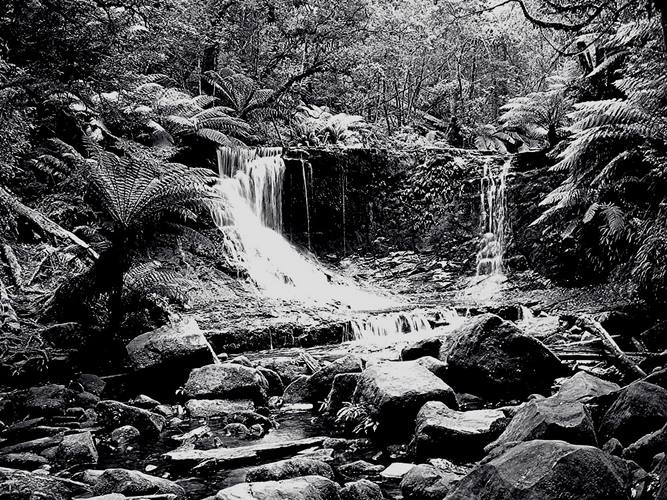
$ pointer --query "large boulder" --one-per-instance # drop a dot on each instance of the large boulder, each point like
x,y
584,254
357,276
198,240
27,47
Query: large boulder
x,y
426,482
47,400
226,381
646,447
298,391
550,419
178,345
288,469
494,359
421,348
299,488
76,449
342,389
22,485
583,387
114,414
319,383
540,470
135,483
288,368
394,393
443,432
639,408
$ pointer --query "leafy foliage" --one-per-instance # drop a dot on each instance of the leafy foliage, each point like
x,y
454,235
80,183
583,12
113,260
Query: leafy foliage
x,y
357,418
314,125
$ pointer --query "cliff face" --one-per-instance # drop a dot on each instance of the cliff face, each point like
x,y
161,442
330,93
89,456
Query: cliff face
x,y
363,200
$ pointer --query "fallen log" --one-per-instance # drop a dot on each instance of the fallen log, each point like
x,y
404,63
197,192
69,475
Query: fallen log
x,y
624,361
42,222
14,267
312,364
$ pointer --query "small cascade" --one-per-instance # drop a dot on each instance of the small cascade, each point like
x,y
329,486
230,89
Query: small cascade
x,y
305,195
390,325
493,210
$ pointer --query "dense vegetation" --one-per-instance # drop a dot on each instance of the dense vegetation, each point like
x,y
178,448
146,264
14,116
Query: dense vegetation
x,y
110,110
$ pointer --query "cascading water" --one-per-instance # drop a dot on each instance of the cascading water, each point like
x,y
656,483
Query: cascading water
x,y
391,325
249,216
494,206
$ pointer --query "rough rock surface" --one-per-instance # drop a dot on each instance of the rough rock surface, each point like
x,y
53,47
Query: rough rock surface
x,y
394,393
180,344
300,488
539,470
550,419
443,432
639,408
494,359
646,447
226,381
583,387
17,484
115,414
319,383
212,408
342,389
288,368
361,490
135,483
298,391
426,482
288,469
434,365
77,449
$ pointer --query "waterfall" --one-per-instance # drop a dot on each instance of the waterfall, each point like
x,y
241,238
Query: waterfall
x,y
493,208
249,215
390,325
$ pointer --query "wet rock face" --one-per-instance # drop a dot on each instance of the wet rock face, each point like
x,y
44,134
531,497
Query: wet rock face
x,y
443,432
583,387
215,408
537,470
639,408
550,419
394,393
426,482
226,381
301,488
494,359
135,483
290,468
181,344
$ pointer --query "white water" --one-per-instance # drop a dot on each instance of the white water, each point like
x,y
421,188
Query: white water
x,y
493,208
249,216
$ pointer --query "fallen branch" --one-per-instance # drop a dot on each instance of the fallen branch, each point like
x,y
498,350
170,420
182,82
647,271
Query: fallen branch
x,y
627,364
8,316
45,224
310,361
14,266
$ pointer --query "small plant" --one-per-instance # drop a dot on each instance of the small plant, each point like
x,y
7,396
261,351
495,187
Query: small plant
x,y
358,418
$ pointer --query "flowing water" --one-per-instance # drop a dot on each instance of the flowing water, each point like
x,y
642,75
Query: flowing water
x,y
493,200
249,216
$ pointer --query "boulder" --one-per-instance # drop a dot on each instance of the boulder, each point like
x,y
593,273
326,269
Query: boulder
x,y
360,468
181,344
276,386
435,366
396,470
639,408
299,488
426,482
646,447
23,460
319,383
443,432
394,393
288,469
18,484
227,381
583,387
49,399
75,449
540,470
124,436
91,383
288,368
115,414
135,483
361,490
298,391
342,389
550,419
421,348
494,359
217,408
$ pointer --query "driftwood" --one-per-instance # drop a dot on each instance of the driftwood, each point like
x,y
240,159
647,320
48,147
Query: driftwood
x,y
312,364
624,361
14,267
42,222
8,316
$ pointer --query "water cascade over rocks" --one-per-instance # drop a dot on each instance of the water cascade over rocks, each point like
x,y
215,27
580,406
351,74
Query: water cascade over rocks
x,y
493,209
250,217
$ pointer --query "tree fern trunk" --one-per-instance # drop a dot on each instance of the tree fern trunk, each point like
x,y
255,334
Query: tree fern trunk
x,y
119,252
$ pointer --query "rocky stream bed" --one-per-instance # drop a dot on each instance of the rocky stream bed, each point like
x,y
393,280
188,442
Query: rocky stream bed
x,y
503,395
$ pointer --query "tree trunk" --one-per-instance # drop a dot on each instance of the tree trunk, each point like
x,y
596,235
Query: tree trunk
x,y
118,261
661,7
